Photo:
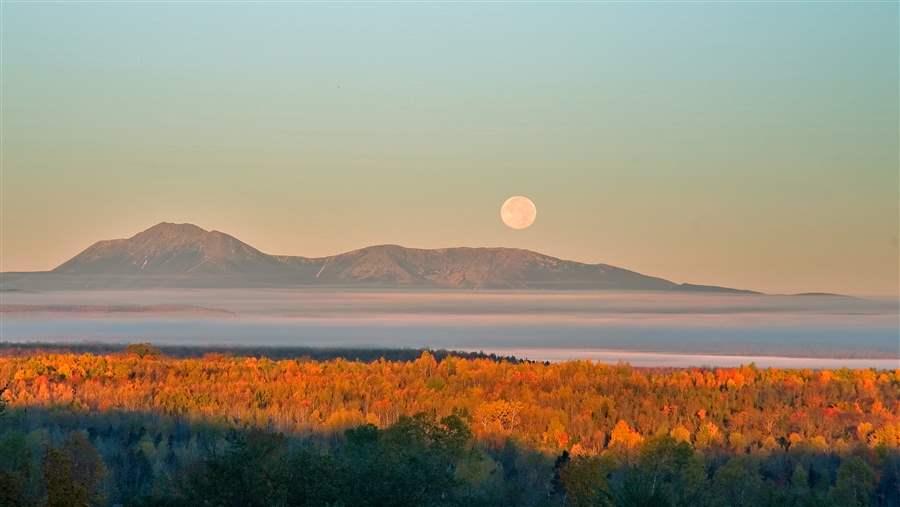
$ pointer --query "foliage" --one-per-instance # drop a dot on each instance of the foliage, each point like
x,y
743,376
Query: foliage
x,y
550,407
73,473
222,430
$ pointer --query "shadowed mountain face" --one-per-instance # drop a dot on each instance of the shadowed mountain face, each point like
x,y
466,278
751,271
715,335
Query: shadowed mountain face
x,y
185,255
497,268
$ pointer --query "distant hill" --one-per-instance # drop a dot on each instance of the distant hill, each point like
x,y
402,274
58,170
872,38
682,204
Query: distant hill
x,y
184,255
167,249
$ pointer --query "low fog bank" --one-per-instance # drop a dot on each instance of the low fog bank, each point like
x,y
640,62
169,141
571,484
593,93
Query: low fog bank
x,y
667,360
567,322
322,302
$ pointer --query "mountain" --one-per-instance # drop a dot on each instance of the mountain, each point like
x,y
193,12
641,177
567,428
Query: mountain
x,y
171,249
185,255
473,268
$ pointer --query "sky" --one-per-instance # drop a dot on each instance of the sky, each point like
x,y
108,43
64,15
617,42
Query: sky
x,y
751,145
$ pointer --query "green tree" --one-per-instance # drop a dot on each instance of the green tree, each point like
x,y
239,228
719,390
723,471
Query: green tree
x,y
584,481
88,468
800,492
738,483
855,483
667,473
315,478
62,488
412,462
11,490
15,460
73,473
252,471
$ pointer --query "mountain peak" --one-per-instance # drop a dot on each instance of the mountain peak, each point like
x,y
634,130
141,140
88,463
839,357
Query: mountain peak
x,y
184,226
170,249
170,229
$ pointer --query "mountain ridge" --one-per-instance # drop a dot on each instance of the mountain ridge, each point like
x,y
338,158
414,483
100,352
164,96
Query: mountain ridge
x,y
186,255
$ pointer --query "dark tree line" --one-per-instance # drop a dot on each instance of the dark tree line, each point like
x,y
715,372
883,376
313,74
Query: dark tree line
x,y
270,352
63,458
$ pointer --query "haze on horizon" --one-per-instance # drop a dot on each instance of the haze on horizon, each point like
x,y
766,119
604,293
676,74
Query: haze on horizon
x,y
743,145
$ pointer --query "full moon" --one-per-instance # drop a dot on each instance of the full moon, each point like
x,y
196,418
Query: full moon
x,y
518,212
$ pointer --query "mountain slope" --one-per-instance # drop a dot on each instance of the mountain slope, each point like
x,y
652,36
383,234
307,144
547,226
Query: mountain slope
x,y
167,249
488,268
184,255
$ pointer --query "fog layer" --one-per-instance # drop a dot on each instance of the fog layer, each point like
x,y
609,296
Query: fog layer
x,y
537,324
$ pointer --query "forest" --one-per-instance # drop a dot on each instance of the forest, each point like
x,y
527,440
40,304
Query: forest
x,y
142,427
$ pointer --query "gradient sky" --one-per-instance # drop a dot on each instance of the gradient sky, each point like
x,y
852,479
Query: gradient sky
x,y
752,145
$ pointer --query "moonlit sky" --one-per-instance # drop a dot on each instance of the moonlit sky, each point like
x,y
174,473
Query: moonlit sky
x,y
752,145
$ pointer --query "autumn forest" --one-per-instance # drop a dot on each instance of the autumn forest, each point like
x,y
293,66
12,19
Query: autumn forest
x,y
140,427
